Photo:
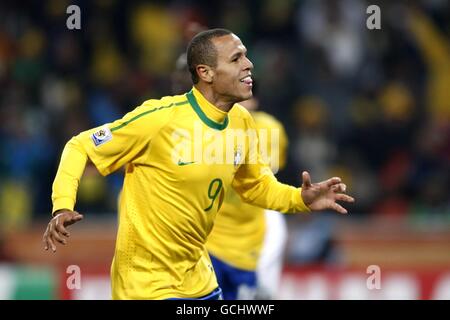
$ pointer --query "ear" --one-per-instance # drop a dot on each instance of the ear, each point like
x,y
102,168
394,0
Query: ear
x,y
205,73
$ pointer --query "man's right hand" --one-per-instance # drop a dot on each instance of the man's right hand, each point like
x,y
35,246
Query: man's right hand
x,y
56,231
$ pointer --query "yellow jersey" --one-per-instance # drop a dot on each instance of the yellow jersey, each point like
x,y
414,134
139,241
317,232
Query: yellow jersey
x,y
182,155
238,233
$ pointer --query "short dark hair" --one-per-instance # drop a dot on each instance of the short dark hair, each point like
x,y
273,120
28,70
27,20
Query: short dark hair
x,y
201,50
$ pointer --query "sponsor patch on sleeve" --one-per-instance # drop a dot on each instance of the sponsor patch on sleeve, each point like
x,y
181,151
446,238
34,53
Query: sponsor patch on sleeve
x,y
101,136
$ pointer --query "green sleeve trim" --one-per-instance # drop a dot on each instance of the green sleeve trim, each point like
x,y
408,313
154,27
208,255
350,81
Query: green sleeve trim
x,y
147,112
210,123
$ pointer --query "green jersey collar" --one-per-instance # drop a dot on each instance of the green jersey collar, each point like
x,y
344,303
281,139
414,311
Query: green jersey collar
x,y
210,123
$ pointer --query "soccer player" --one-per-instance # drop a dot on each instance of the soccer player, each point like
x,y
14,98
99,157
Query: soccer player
x,y
180,162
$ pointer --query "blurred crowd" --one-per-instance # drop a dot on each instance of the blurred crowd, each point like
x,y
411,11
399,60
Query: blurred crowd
x,y
372,106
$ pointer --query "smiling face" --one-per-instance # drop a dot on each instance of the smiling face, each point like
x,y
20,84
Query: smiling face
x,y
231,77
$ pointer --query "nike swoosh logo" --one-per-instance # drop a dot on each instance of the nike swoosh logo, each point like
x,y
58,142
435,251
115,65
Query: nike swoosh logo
x,y
182,163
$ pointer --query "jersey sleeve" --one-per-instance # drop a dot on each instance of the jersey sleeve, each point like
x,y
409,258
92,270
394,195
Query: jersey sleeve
x,y
113,145
256,184
109,147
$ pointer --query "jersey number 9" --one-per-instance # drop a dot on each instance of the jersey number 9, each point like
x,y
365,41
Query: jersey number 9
x,y
214,190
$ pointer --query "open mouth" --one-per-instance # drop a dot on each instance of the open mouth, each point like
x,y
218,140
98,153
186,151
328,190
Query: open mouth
x,y
247,81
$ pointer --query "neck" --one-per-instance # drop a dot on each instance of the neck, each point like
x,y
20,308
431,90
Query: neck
x,y
216,99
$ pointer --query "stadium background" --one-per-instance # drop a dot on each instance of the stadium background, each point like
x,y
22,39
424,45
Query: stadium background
x,y
372,106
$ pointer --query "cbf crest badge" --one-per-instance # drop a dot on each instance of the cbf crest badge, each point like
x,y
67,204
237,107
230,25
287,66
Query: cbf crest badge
x,y
101,136
237,157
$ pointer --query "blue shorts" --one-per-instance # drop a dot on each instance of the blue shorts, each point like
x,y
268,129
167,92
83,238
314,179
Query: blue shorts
x,y
214,295
235,283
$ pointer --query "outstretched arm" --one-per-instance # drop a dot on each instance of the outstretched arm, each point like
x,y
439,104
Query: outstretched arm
x,y
256,184
108,147
266,192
